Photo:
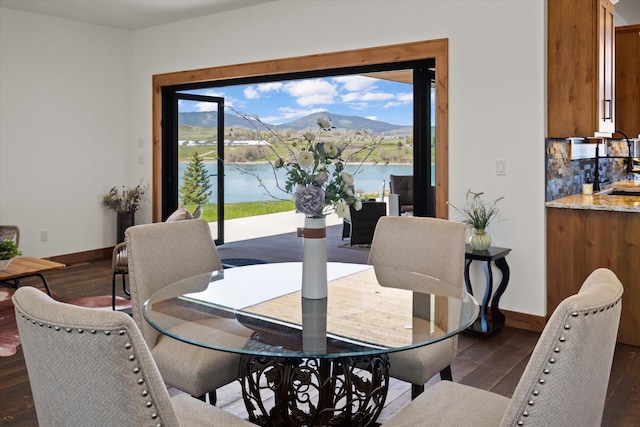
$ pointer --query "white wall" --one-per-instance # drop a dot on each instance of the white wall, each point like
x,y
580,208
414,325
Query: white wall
x,y
64,129
496,105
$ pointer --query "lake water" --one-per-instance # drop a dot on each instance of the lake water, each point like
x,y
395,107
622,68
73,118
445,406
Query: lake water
x,y
244,187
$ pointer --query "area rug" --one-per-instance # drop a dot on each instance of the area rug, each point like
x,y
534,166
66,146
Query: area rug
x,y
9,338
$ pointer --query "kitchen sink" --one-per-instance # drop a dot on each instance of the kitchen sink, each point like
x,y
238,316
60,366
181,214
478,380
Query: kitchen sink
x,y
625,193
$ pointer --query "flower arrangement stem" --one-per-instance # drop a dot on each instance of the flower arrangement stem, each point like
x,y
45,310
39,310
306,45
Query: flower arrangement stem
x,y
124,221
314,258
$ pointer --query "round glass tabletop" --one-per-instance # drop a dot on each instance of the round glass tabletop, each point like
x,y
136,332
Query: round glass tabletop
x,y
258,310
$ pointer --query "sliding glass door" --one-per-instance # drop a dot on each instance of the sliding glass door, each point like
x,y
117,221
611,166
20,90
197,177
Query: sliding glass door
x,y
195,140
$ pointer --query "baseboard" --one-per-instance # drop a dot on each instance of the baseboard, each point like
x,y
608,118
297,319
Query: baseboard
x,y
525,321
85,256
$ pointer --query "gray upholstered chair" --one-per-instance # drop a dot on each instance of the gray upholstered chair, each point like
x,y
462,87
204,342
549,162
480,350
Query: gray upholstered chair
x,y
564,383
91,367
119,262
11,232
429,246
158,255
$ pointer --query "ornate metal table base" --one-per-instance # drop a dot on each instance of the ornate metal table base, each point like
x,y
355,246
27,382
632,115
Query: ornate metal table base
x,y
345,391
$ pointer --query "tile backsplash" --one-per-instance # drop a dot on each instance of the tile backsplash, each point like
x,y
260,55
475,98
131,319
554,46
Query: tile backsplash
x,y
565,177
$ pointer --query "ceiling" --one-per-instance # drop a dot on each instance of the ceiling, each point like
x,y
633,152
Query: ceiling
x,y
139,14
629,10
129,14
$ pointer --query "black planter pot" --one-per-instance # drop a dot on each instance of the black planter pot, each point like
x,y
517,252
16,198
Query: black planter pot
x,y
125,220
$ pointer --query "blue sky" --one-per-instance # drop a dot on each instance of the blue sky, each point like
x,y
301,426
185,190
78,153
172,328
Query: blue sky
x,y
282,102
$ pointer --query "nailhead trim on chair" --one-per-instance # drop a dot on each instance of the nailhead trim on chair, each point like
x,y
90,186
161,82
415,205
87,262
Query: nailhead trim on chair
x,y
128,346
552,360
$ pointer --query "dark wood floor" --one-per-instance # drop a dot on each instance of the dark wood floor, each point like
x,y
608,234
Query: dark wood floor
x,y
493,363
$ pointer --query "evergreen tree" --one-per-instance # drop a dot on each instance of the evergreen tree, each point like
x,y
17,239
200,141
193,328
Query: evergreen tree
x,y
196,184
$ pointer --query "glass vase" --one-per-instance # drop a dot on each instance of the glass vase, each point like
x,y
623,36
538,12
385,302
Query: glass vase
x,y
480,240
314,258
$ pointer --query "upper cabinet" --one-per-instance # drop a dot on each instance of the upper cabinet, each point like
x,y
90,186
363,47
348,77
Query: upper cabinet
x,y
581,68
628,80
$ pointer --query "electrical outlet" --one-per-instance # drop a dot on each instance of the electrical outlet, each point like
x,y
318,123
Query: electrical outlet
x,y
44,235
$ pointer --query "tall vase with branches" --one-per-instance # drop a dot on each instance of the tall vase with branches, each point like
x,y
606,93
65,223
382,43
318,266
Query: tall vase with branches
x,y
318,181
125,201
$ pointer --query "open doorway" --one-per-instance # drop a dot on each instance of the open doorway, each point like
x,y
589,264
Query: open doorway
x,y
427,69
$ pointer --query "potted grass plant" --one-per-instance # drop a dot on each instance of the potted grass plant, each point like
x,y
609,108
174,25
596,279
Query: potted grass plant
x,y
8,251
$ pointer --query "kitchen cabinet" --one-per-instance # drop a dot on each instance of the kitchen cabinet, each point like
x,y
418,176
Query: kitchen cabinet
x,y
628,80
580,68
582,240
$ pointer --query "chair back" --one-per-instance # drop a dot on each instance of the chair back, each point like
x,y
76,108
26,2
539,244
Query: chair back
x,y
402,185
10,232
565,381
429,246
88,367
163,253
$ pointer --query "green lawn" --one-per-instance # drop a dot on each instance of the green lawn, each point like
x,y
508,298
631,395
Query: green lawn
x,y
245,209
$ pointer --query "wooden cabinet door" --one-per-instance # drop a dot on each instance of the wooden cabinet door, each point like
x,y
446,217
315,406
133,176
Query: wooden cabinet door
x,y
580,69
628,79
606,68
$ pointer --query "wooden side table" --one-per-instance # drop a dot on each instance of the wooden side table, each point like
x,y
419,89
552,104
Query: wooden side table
x,y
496,255
28,266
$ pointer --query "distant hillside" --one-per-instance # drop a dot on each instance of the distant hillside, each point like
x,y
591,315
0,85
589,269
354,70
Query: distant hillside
x,y
343,123
209,119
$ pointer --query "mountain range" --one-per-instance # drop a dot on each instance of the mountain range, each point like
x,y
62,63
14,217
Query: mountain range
x,y
340,122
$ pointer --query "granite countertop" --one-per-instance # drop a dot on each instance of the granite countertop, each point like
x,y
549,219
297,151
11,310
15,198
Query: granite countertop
x,y
603,202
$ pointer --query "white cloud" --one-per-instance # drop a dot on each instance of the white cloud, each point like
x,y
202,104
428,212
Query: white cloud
x,y
205,106
376,96
213,93
350,97
356,83
312,92
401,99
372,117
270,87
405,97
251,93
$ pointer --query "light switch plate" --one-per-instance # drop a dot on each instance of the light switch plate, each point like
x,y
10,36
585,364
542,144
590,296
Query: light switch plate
x,y
501,167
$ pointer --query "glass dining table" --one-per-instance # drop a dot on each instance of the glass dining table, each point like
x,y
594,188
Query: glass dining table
x,y
304,361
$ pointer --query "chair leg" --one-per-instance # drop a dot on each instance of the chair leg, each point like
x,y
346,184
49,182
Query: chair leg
x,y
445,374
113,292
124,284
213,397
416,390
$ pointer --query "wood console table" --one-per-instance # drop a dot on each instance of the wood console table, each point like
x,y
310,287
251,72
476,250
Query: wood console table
x,y
28,266
497,255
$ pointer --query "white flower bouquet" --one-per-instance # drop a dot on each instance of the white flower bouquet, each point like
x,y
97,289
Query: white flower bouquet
x,y
315,170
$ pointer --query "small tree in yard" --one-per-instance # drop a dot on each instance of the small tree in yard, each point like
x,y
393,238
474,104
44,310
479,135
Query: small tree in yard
x,y
195,183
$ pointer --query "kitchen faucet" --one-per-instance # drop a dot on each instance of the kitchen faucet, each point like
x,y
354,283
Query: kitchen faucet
x,y
629,158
